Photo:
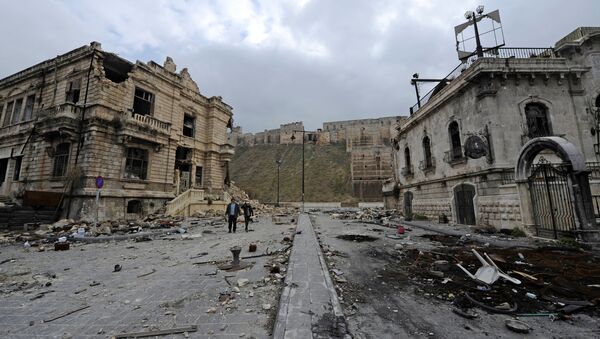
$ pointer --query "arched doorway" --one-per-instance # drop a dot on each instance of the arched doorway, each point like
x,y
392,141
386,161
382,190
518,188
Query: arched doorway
x,y
463,204
555,195
408,197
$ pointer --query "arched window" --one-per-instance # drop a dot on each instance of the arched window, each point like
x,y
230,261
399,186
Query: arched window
x,y
427,152
454,133
538,124
407,158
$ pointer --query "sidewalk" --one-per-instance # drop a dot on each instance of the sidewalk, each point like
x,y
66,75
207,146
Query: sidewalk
x,y
309,307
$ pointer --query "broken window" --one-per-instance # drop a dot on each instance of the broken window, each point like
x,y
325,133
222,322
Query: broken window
x,y
28,113
3,167
198,181
427,152
17,171
538,124
136,165
61,160
16,111
407,157
454,132
143,102
73,90
8,113
134,206
188,125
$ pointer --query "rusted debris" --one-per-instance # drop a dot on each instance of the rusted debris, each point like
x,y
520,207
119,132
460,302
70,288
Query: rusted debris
x,y
252,248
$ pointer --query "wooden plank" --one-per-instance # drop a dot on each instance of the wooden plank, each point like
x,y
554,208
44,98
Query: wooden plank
x,y
192,328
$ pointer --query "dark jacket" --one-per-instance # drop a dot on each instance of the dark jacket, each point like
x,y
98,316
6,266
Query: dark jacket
x,y
236,209
248,211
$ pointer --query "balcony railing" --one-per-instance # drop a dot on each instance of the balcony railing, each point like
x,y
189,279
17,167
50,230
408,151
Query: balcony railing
x,y
152,122
427,165
502,52
454,157
594,168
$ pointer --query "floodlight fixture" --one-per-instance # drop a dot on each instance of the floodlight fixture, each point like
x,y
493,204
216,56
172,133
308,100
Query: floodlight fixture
x,y
468,15
479,9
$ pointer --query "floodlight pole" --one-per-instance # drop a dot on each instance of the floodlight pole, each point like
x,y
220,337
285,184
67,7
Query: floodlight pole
x,y
477,40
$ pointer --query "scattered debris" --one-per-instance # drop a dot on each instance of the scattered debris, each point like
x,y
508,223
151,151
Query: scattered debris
x,y
191,328
66,314
146,274
252,248
517,326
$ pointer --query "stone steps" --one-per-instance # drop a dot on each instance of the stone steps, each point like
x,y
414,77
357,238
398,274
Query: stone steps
x,y
14,217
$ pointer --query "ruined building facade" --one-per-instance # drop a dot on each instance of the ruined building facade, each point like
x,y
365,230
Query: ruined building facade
x,y
508,139
144,127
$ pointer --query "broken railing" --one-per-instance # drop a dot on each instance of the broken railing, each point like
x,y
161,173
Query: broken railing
x,y
183,201
152,122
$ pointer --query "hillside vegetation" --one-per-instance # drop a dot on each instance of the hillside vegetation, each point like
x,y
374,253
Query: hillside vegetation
x,y
327,172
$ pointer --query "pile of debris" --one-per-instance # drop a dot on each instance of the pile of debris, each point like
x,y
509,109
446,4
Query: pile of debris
x,y
33,233
378,216
548,281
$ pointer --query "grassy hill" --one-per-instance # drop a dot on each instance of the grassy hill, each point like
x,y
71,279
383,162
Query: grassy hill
x,y
327,172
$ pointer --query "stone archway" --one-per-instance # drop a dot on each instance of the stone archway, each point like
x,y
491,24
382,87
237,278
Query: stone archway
x,y
577,183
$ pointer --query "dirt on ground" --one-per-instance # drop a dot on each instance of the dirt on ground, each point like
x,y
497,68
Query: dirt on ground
x,y
409,286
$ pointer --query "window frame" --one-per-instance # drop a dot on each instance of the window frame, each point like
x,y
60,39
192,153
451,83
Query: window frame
x,y
191,125
137,99
537,116
427,156
17,168
61,160
456,151
73,92
135,163
28,109
8,114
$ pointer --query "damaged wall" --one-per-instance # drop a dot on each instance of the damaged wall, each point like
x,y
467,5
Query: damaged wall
x,y
131,122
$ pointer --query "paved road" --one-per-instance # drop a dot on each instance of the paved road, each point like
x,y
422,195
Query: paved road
x,y
177,294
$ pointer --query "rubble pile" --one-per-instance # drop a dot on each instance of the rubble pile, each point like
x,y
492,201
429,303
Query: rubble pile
x,y
35,234
375,215
551,281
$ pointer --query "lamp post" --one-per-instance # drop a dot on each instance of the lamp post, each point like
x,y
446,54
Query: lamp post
x,y
278,162
303,140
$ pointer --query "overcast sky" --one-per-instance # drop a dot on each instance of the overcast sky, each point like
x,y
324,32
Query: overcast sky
x,y
283,60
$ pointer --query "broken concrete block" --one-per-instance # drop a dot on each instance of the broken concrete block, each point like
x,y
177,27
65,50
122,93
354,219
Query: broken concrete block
x,y
242,282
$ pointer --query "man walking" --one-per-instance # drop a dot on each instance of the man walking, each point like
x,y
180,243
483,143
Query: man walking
x,y
232,211
248,213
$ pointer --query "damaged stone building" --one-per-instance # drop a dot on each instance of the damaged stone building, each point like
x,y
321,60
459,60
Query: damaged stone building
x,y
508,139
144,127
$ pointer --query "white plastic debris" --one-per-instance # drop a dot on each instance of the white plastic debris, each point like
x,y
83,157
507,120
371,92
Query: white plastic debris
x,y
488,273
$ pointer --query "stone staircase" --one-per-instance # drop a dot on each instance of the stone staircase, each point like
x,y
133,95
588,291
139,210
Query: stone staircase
x,y
193,201
15,217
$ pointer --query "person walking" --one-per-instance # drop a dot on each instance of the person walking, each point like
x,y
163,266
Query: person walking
x,y
248,213
231,212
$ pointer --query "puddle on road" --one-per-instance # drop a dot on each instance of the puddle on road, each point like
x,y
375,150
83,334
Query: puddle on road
x,y
356,237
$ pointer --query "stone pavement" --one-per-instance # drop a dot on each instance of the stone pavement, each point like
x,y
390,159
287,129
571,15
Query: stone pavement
x,y
309,307
158,287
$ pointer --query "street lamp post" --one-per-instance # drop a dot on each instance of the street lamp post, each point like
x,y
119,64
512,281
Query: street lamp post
x,y
303,141
279,162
